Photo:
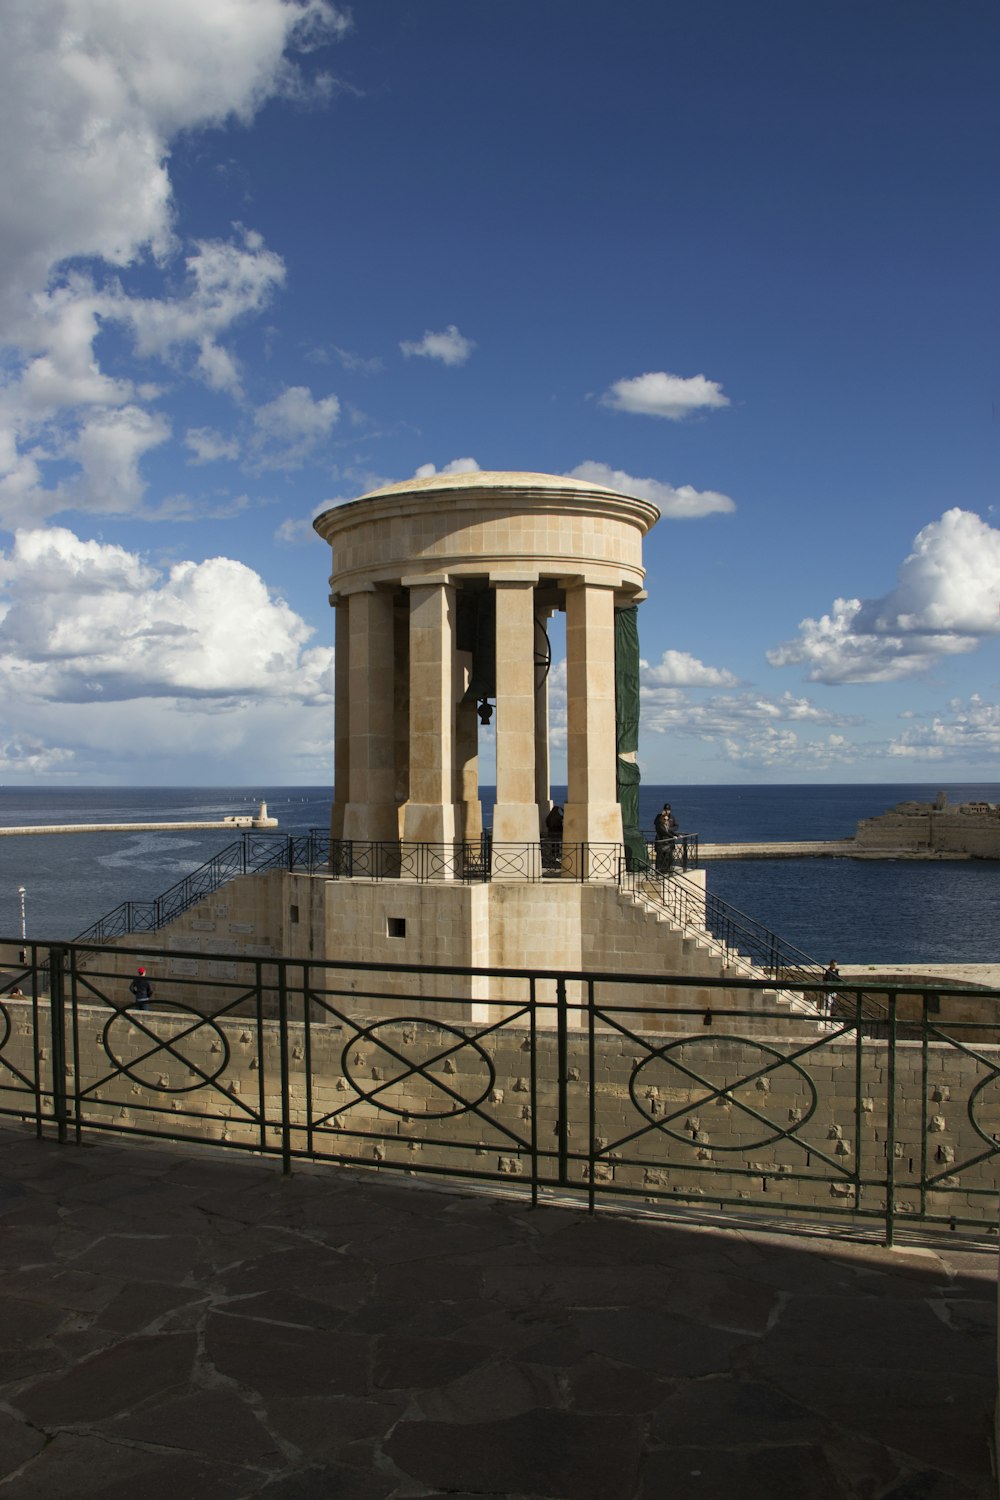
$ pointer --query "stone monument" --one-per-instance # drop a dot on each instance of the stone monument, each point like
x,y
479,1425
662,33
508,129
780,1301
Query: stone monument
x,y
442,588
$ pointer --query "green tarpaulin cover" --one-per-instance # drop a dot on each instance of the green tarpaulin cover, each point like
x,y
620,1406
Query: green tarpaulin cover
x,y
627,730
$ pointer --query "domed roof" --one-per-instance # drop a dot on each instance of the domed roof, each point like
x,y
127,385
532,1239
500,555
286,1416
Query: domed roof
x,y
495,479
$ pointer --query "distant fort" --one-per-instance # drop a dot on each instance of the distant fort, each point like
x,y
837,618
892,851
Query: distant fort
x,y
934,829
910,830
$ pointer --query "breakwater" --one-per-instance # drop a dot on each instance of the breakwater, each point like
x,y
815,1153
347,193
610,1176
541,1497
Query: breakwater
x,y
227,823
823,848
233,822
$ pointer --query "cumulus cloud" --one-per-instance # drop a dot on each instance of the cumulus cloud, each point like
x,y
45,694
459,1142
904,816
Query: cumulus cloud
x,y
681,669
946,602
457,466
752,731
26,754
293,531
745,729
91,622
659,394
60,369
771,747
109,448
666,709
675,504
290,428
208,446
450,347
226,280
964,731
92,92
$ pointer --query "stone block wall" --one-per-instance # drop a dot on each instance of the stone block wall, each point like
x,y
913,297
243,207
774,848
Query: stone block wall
x,y
552,925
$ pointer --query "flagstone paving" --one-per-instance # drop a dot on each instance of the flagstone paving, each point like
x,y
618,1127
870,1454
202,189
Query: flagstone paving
x,y
178,1324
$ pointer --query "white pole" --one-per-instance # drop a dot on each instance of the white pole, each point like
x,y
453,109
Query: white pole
x,y
24,927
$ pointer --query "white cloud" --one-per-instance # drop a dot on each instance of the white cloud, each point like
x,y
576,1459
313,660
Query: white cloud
x,y
949,583
675,504
659,394
964,732
770,747
92,92
681,669
450,347
62,370
457,466
292,426
90,622
208,446
109,448
295,530
946,602
226,281
748,729
743,729
24,754
667,710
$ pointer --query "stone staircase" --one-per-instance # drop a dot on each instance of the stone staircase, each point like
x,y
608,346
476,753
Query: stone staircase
x,y
685,909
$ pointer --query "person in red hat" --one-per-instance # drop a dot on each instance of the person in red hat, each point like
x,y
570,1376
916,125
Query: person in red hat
x,y
142,990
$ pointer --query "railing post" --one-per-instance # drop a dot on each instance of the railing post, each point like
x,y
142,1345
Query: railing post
x,y
890,1114
286,1103
57,1023
591,1102
562,1067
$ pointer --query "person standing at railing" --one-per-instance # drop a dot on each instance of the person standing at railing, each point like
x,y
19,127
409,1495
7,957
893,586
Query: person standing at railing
x,y
552,843
831,975
665,829
142,990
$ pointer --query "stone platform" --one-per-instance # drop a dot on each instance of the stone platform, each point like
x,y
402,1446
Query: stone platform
x,y
189,1325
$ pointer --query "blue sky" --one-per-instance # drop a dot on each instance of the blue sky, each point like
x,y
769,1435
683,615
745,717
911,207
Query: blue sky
x,y
258,257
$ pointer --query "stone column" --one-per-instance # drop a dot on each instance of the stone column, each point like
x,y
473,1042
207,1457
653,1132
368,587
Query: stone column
x,y
371,809
401,692
515,817
470,809
429,815
592,813
341,720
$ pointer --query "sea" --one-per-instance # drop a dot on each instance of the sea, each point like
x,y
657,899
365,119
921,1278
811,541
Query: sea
x,y
856,911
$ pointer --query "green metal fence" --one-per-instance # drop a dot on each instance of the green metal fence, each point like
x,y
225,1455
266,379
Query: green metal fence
x,y
733,1095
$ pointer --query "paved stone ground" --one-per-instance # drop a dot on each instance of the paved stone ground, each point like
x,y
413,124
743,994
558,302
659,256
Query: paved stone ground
x,y
191,1326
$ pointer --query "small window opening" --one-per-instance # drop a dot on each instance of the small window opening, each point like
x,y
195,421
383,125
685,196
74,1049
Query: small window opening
x,y
397,927
294,913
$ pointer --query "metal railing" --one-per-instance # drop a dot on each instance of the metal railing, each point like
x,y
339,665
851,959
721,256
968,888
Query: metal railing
x,y
746,943
740,936
598,1087
666,856
249,855
315,852
477,860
